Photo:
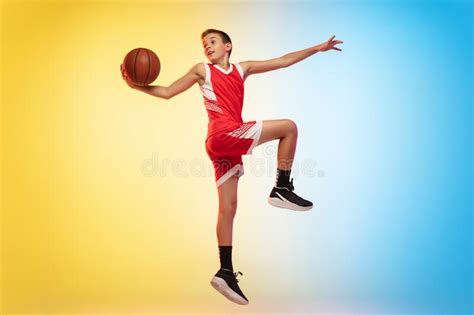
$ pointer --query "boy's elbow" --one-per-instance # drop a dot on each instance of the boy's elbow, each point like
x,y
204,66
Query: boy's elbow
x,y
169,95
285,62
166,94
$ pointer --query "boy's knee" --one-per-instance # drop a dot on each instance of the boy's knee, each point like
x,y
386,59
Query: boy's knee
x,y
228,207
292,127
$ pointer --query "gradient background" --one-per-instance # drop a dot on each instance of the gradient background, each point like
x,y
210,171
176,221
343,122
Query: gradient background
x,y
95,220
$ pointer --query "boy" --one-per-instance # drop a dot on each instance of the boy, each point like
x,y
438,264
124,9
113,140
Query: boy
x,y
229,137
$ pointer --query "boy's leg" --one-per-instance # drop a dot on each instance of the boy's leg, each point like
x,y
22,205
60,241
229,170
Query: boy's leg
x,y
282,194
225,280
227,208
285,130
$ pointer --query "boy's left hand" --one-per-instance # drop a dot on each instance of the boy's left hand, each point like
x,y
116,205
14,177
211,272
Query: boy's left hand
x,y
330,44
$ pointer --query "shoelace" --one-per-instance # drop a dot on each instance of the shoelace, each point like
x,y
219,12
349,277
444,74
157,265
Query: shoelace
x,y
234,273
290,185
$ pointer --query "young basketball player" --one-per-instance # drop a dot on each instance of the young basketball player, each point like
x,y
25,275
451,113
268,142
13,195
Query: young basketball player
x,y
229,137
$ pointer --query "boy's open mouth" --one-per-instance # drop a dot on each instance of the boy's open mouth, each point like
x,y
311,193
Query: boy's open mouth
x,y
210,53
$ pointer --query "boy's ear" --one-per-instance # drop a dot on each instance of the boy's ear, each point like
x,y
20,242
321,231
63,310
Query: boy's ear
x,y
228,46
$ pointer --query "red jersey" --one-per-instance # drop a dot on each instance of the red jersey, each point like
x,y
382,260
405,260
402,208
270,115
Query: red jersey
x,y
223,93
228,137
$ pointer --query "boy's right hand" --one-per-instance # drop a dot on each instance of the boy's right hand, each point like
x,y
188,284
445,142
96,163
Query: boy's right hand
x,y
126,78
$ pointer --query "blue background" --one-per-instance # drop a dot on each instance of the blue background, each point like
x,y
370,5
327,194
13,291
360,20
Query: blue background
x,y
389,121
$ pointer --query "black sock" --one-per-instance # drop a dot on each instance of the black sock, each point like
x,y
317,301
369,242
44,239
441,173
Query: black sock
x,y
283,178
225,255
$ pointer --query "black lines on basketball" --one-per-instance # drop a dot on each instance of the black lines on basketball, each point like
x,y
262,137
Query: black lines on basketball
x,y
135,65
148,60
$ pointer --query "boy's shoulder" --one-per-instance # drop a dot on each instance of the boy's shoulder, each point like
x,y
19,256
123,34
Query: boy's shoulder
x,y
199,66
199,69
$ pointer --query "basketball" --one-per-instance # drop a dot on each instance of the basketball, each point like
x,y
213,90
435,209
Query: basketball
x,y
142,66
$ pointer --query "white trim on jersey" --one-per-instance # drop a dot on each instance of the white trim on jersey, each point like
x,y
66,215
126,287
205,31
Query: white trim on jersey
x,y
207,89
237,169
239,68
222,70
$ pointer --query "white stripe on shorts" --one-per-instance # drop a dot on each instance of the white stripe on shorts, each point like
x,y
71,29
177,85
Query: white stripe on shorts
x,y
237,170
253,133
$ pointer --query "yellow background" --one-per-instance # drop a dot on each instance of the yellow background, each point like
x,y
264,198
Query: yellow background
x,y
89,223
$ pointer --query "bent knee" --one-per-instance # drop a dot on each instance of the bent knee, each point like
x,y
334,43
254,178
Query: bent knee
x,y
291,126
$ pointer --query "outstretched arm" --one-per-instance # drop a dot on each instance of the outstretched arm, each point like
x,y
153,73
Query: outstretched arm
x,y
177,87
253,67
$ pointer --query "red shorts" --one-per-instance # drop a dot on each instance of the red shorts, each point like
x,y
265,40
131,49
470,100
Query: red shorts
x,y
225,149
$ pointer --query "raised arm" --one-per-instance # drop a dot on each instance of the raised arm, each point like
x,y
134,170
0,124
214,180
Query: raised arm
x,y
182,84
253,67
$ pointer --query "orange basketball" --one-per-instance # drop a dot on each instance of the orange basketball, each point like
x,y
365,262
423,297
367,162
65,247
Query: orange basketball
x,y
142,66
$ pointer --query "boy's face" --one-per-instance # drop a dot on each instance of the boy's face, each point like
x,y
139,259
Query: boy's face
x,y
214,48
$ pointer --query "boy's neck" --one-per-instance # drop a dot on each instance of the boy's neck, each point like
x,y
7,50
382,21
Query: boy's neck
x,y
224,64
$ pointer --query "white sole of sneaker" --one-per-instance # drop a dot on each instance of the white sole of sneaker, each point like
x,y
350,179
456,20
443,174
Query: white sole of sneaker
x,y
286,204
221,286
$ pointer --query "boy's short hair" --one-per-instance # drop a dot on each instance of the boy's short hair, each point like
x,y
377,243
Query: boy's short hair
x,y
225,38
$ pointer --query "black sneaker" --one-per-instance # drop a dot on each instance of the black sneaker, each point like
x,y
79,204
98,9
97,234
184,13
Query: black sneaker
x,y
225,281
284,197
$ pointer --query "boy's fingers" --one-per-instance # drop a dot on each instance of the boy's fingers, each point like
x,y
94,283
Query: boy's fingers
x,y
337,49
331,38
124,74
